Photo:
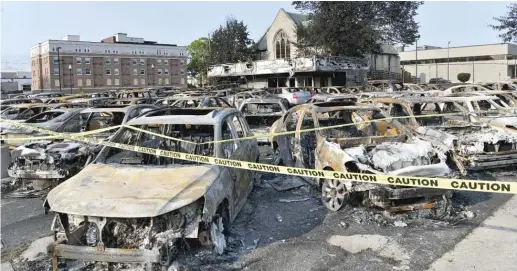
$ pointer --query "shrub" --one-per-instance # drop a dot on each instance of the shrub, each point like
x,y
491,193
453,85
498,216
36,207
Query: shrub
x,y
463,77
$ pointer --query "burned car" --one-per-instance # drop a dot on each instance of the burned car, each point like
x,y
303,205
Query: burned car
x,y
194,101
41,164
262,113
135,207
468,143
383,147
321,98
57,120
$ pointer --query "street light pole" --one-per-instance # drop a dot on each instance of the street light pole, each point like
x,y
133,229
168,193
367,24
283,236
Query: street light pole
x,y
70,76
152,68
448,43
58,68
416,59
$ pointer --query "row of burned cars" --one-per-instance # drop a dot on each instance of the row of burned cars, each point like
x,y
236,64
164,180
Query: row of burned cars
x,y
117,205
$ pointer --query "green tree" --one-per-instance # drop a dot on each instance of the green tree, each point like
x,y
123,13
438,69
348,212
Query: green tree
x,y
230,43
507,24
463,77
199,56
354,28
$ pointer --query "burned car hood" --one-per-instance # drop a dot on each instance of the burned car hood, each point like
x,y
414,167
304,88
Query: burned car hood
x,y
503,122
108,190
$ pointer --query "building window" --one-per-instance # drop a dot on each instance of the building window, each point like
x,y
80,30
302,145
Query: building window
x,y
56,60
117,81
135,81
79,82
108,71
159,81
182,72
142,61
87,60
56,83
166,72
166,61
108,82
79,71
116,72
56,71
181,62
134,61
78,60
142,72
159,61
166,81
87,71
135,72
88,82
108,60
142,81
282,45
159,71
115,61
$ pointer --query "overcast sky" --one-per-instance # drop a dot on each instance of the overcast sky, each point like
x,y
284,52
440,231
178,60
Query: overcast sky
x,y
24,24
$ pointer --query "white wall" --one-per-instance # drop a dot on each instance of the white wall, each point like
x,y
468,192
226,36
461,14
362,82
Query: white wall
x,y
480,71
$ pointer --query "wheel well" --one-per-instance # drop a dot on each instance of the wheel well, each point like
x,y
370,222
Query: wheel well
x,y
320,180
351,167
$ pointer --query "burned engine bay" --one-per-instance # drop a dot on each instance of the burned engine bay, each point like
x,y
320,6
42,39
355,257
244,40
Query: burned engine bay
x,y
43,164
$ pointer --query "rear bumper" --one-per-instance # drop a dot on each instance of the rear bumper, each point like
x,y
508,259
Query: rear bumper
x,y
103,254
37,174
491,160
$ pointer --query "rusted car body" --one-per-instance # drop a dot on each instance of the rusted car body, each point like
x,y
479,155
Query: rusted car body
x,y
385,147
469,143
50,162
262,113
133,207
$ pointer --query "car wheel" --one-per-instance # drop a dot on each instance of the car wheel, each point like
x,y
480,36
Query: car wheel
x,y
333,194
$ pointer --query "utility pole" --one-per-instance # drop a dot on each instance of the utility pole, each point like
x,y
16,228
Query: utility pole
x,y
209,59
448,43
514,67
416,59
59,68
473,72
70,76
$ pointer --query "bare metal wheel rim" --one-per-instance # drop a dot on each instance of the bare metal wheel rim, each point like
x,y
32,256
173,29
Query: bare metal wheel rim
x,y
333,193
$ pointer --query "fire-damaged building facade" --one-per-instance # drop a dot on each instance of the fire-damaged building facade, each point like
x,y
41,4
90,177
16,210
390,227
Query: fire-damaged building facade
x,y
279,65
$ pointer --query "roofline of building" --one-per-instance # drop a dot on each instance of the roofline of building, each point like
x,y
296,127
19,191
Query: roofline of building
x,y
479,45
123,43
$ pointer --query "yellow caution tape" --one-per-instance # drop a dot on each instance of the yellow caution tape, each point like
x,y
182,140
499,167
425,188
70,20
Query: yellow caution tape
x,y
426,182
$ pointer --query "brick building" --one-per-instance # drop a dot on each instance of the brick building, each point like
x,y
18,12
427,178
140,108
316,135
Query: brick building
x,y
117,62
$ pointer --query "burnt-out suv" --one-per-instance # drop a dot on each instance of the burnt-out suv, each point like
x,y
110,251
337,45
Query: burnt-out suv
x,y
134,207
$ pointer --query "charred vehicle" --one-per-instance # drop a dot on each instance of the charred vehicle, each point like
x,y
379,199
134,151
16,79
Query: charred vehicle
x,y
194,101
43,164
468,143
383,147
321,98
5,103
134,207
262,113
57,120
142,93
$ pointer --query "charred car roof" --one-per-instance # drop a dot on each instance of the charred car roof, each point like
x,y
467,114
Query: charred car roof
x,y
194,116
